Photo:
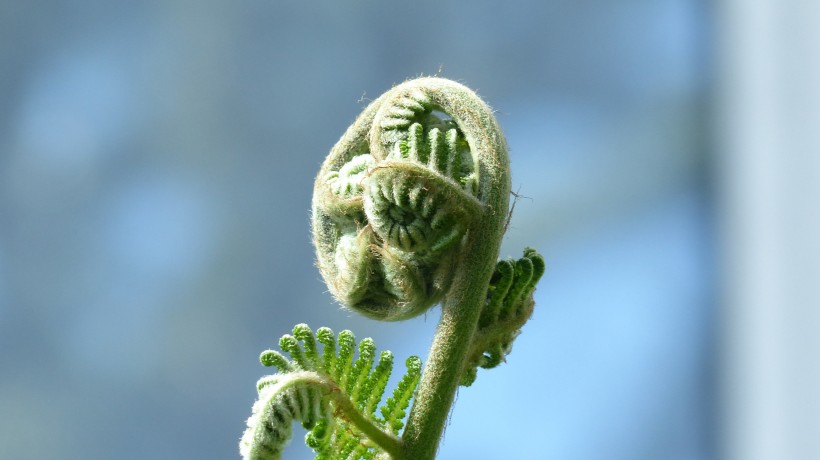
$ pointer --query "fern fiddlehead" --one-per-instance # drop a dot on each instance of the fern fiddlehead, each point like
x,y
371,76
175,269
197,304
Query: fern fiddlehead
x,y
391,206
408,211
419,221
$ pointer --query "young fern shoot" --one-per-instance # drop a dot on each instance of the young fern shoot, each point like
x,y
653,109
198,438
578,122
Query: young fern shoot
x,y
409,209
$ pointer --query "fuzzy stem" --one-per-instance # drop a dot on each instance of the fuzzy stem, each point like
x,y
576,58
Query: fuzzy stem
x,y
449,352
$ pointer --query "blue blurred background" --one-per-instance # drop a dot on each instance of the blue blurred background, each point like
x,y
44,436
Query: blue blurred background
x,y
156,166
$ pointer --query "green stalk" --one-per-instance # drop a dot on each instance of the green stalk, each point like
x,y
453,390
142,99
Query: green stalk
x,y
448,353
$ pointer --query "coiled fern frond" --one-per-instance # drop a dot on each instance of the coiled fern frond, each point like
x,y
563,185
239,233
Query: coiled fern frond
x,y
332,394
408,212
393,202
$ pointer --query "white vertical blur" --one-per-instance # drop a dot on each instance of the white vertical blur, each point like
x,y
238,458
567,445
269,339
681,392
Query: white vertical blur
x,y
769,166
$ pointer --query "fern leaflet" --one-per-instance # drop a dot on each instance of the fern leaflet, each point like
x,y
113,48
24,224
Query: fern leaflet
x,y
334,394
509,305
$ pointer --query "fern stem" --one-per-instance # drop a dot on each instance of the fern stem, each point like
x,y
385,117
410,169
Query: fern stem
x,y
448,356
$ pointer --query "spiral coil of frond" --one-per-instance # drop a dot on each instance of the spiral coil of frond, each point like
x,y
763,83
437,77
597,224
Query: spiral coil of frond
x,y
394,200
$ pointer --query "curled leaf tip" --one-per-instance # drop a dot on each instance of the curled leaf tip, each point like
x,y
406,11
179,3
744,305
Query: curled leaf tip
x,y
399,192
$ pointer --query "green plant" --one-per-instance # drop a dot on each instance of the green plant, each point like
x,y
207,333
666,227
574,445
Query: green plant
x,y
409,210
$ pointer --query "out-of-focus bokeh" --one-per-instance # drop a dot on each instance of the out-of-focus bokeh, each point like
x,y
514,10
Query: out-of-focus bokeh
x,y
156,166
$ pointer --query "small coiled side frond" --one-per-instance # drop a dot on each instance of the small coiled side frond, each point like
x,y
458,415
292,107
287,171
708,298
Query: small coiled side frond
x,y
509,305
334,394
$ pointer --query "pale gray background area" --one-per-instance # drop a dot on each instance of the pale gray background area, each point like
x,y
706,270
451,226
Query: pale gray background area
x,y
156,166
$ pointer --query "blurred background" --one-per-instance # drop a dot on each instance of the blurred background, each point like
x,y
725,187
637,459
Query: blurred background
x,y
156,167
